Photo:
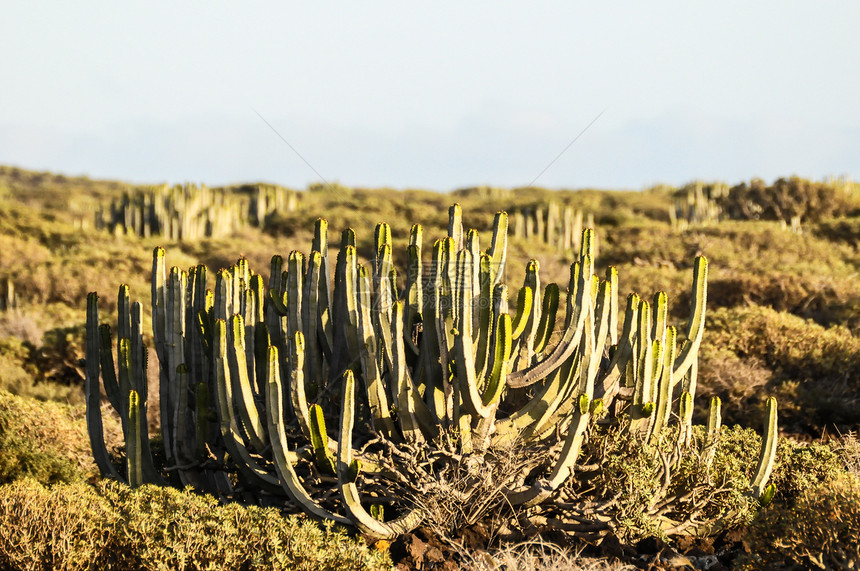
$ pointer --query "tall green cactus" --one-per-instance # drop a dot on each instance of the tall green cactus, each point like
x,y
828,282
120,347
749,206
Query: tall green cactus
x,y
252,369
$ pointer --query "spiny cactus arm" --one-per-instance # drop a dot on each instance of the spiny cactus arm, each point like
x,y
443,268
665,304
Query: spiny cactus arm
x,y
413,415
376,396
229,424
175,297
547,317
564,466
498,248
643,339
429,358
362,519
124,377
587,251
444,279
203,415
198,355
320,244
526,340
474,294
281,456
320,241
94,412
696,324
664,385
414,292
137,373
713,435
311,321
106,361
641,409
123,317
352,300
623,353
159,292
467,382
568,343
382,254
524,306
298,400
249,417
279,302
408,399
295,277
660,319
767,457
685,418
186,439
495,382
323,457
483,314
601,319
455,226
612,280
133,441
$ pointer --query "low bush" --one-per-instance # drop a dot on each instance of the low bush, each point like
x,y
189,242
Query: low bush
x,y
749,352
76,526
46,441
817,531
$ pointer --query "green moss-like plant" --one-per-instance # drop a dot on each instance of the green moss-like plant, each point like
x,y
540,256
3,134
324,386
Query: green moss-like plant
x,y
76,526
43,440
753,351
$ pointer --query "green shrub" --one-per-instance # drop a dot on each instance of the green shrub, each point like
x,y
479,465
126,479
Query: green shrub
x,y
44,440
817,531
788,197
753,351
697,498
76,526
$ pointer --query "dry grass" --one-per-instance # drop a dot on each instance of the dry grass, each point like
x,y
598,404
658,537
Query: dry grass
x,y
538,556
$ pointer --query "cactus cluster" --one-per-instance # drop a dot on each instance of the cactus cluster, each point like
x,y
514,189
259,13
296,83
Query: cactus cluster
x,y
552,223
189,212
696,205
330,385
790,201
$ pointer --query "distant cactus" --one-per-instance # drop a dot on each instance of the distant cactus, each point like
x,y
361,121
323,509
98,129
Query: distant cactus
x,y
419,372
556,224
190,212
697,204
9,298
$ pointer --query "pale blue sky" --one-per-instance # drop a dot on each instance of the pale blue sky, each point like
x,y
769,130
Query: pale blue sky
x,y
437,95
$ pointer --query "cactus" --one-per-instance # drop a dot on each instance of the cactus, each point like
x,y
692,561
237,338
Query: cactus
x,y
252,370
768,451
554,224
190,212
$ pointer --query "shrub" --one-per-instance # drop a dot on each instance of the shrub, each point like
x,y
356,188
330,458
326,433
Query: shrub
x,y
814,369
789,197
817,531
76,526
46,441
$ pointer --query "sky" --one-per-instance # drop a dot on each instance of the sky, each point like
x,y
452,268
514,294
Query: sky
x,y
437,95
